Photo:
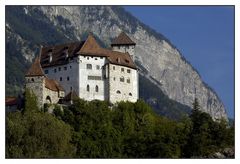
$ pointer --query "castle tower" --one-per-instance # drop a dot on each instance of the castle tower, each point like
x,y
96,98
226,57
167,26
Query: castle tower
x,y
124,44
35,80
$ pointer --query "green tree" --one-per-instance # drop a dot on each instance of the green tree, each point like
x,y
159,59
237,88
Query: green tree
x,y
196,104
30,102
35,134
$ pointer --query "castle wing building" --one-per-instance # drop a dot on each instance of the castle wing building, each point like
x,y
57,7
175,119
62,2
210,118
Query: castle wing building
x,y
89,70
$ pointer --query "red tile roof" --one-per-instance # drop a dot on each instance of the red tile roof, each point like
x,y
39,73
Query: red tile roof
x,y
57,51
89,48
92,48
35,69
122,39
10,101
53,85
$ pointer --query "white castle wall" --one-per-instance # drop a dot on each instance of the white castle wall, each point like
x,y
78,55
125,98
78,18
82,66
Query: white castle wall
x,y
100,80
52,94
68,73
122,91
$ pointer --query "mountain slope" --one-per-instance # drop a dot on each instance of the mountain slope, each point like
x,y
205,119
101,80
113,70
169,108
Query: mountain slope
x,y
158,59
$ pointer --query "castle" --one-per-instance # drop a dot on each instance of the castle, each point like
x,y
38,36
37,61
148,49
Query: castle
x,y
86,70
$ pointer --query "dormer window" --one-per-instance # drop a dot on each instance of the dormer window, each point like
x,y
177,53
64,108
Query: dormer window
x,y
65,51
118,60
50,55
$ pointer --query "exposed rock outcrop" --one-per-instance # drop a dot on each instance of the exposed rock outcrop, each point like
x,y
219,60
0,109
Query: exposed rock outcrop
x,y
160,61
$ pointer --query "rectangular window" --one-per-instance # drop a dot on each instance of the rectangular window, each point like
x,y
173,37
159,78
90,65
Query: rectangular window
x,y
122,69
128,80
70,67
128,71
89,66
68,78
122,79
94,78
60,78
55,70
101,57
59,68
65,68
113,67
97,67
87,58
46,71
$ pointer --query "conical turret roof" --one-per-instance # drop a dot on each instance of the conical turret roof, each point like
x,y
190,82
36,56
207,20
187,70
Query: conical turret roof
x,y
35,69
90,46
122,39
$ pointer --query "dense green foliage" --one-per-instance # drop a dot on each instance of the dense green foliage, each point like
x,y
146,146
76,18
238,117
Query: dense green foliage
x,y
125,130
34,134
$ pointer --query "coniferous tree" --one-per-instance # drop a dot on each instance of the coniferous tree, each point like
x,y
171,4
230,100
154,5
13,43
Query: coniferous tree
x,y
196,104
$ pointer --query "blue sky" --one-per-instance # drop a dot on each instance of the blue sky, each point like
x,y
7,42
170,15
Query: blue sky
x,y
204,35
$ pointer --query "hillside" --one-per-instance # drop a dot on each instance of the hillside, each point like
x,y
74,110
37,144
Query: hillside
x,y
159,61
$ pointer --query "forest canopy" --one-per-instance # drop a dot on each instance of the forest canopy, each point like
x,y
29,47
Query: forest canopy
x,y
126,130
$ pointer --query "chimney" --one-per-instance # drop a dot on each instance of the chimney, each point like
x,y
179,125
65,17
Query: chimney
x,y
50,55
65,51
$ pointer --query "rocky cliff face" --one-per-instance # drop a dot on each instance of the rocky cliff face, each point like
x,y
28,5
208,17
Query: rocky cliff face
x,y
158,59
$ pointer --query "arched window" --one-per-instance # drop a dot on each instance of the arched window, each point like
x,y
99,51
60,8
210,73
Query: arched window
x,y
118,92
88,88
48,100
130,94
96,88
